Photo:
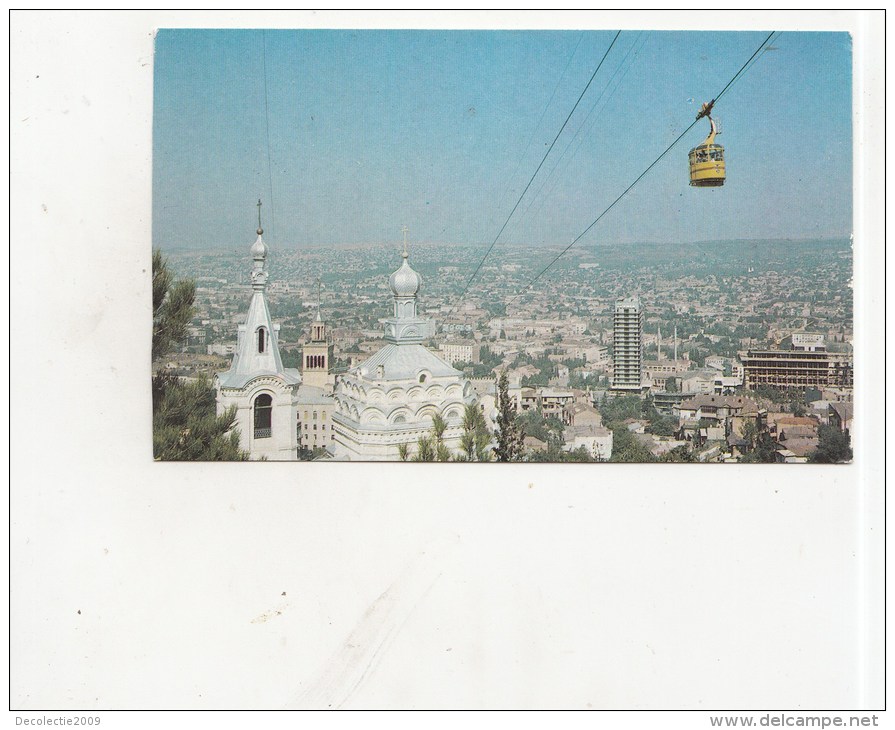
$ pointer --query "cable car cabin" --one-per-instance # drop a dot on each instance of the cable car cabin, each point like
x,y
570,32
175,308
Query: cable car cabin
x,y
707,159
707,166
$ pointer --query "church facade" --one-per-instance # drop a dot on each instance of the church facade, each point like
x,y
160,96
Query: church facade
x,y
264,393
390,399
372,412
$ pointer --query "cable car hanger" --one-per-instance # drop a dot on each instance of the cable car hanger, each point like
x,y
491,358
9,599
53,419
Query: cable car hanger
x,y
707,168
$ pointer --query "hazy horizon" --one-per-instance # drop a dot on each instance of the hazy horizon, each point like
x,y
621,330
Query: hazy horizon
x,y
590,247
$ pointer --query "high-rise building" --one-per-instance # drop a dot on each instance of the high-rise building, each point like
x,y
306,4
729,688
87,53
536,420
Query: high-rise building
x,y
263,391
628,345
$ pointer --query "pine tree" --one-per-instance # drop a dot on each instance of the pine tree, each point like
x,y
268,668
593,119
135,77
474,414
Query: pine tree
x,y
476,438
439,426
172,307
510,436
425,449
185,426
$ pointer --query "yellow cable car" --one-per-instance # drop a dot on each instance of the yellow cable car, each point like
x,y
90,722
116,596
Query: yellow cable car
x,y
707,159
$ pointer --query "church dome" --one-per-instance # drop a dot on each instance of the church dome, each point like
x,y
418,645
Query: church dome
x,y
259,248
405,282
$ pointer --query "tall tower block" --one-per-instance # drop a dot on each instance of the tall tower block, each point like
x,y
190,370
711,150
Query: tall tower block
x,y
628,345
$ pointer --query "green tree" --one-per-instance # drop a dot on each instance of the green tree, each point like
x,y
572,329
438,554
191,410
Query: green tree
x,y
775,395
292,357
185,425
533,423
581,454
626,448
617,409
476,438
750,433
555,453
510,435
763,448
425,449
403,451
679,454
439,425
834,446
660,425
172,307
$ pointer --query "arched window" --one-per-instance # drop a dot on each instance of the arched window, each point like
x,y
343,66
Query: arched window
x,y
263,408
422,377
261,342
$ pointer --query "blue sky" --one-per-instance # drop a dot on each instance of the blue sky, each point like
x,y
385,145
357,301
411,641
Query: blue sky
x,y
441,130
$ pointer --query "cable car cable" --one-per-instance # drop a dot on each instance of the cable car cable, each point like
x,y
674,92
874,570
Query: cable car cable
x,y
267,126
639,177
481,263
541,119
578,132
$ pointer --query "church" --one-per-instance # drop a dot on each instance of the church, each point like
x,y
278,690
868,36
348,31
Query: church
x,y
389,400
264,392
370,413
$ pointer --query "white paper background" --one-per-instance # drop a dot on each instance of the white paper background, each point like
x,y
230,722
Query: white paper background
x,y
137,585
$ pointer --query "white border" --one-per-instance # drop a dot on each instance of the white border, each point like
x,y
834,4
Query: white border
x,y
513,567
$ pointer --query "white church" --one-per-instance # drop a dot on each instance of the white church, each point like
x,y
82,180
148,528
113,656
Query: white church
x,y
264,392
365,414
390,399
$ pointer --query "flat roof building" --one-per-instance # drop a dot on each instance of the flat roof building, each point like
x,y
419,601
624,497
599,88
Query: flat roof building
x,y
628,345
797,369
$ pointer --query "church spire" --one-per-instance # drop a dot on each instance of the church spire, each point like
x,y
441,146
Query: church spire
x,y
262,391
259,258
319,317
257,351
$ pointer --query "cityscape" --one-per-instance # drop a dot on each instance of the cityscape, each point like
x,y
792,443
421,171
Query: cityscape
x,y
709,323
718,335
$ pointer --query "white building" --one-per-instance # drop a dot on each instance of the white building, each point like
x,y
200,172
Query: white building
x,y
596,439
627,339
263,391
390,399
315,407
460,351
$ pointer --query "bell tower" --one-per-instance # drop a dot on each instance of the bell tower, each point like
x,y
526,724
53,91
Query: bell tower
x,y
262,391
317,354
